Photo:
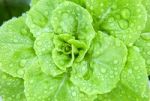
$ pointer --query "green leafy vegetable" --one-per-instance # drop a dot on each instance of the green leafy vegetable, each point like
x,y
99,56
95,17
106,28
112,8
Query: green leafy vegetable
x,y
77,50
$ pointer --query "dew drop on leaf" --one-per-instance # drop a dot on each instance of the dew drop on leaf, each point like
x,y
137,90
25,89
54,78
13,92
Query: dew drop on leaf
x,y
148,44
23,31
148,53
20,72
125,13
124,24
148,61
23,62
103,70
145,36
115,62
74,93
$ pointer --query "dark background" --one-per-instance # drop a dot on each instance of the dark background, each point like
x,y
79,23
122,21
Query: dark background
x,y
12,8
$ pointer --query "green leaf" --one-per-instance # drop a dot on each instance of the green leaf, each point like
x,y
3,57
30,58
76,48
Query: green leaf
x,y
124,19
43,46
146,3
11,88
16,44
99,72
121,93
134,82
39,16
134,75
50,88
144,45
34,2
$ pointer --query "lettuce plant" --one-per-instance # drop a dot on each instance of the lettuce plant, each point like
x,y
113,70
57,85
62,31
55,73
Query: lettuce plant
x,y
77,50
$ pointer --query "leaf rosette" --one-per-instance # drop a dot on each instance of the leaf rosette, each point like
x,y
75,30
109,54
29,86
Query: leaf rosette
x,y
56,51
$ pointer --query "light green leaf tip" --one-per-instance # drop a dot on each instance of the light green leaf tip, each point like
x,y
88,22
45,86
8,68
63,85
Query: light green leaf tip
x,y
134,83
39,16
50,88
143,43
124,19
11,88
16,44
146,3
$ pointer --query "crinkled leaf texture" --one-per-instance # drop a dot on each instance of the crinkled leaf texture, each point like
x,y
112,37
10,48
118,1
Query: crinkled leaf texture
x,y
59,49
144,45
16,47
124,19
11,88
134,73
100,70
76,50
146,3
42,87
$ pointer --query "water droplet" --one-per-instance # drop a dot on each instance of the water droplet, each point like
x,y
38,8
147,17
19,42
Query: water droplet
x,y
4,77
23,62
111,19
117,17
15,40
20,72
103,70
130,44
125,13
136,67
114,6
130,71
148,44
148,53
32,26
46,13
31,81
145,36
0,64
74,93
148,61
11,65
124,24
115,62
23,31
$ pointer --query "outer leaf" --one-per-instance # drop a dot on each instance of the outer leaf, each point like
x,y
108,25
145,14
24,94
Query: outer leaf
x,y
100,71
39,16
11,89
124,19
80,2
16,44
49,88
43,46
134,81
34,2
146,3
121,93
134,75
144,44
